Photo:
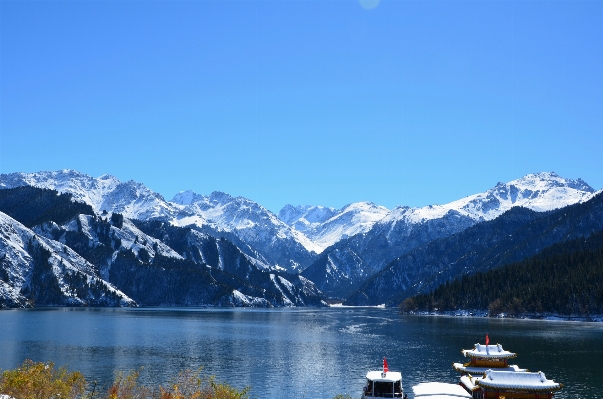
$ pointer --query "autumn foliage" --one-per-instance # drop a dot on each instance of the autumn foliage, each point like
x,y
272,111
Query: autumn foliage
x,y
42,381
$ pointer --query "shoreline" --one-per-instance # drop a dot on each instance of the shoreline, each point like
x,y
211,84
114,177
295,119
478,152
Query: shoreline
x,y
523,316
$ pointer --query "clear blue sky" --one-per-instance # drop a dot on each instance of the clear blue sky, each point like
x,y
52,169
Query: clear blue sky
x,y
304,102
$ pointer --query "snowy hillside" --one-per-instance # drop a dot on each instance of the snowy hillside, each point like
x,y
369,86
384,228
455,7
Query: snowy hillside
x,y
257,231
251,223
105,259
514,236
538,191
341,268
39,270
131,199
326,226
364,235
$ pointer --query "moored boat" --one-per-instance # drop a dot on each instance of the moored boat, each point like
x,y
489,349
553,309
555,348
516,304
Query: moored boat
x,y
439,390
505,384
487,357
383,384
489,376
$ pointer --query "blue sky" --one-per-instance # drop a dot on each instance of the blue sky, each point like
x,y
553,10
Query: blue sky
x,y
304,102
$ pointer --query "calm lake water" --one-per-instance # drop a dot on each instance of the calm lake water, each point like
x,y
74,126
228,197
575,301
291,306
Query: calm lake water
x,y
293,353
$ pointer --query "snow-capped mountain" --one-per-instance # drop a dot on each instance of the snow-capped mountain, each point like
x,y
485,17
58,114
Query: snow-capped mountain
x,y
537,191
257,231
326,226
354,242
131,199
80,260
512,237
341,268
39,270
250,223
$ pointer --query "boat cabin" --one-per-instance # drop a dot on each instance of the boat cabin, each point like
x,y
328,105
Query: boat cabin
x,y
381,384
487,357
509,385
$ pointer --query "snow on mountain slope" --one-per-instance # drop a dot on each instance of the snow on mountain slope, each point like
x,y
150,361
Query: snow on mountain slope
x,y
538,191
37,269
125,237
303,215
515,236
15,262
326,226
293,240
251,223
347,263
133,200
256,230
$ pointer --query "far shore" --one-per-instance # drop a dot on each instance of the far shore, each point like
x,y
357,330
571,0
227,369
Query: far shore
x,y
523,316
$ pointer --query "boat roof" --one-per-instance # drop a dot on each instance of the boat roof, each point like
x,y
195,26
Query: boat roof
x,y
520,381
469,382
390,376
439,390
488,351
481,370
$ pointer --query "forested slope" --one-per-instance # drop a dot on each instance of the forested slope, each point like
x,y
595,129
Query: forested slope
x,y
564,279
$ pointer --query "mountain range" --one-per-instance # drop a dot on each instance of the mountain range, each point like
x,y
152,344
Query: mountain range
x,y
342,268
62,252
516,235
315,249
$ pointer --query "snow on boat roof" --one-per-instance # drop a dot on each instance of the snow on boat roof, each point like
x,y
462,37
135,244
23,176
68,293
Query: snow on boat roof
x,y
524,381
488,351
390,376
481,370
469,382
439,390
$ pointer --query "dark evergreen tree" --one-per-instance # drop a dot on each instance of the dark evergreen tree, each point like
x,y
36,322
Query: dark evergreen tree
x,y
564,279
33,206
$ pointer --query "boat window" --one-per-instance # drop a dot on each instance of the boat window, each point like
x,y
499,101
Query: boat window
x,y
398,388
368,389
384,389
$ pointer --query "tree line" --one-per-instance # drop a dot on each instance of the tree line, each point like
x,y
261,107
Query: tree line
x,y
564,279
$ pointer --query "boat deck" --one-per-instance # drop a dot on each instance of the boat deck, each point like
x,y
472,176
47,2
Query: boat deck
x,y
439,390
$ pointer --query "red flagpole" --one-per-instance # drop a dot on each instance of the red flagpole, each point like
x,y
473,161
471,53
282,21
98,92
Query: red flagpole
x,y
385,368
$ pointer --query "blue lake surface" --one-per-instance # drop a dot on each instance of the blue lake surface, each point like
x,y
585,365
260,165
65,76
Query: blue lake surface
x,y
293,353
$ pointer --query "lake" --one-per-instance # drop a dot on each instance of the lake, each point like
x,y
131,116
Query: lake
x,y
293,353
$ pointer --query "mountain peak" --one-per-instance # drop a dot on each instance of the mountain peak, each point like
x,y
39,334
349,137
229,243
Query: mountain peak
x,y
186,197
548,180
221,197
539,192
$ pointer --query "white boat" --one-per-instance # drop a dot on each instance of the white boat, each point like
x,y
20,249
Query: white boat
x,y
383,384
439,390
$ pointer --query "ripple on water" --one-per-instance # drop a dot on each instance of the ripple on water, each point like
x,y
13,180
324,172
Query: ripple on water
x,y
312,353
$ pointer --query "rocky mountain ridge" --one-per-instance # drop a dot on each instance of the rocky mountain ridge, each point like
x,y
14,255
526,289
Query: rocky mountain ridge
x,y
38,270
516,235
338,250
152,262
342,268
